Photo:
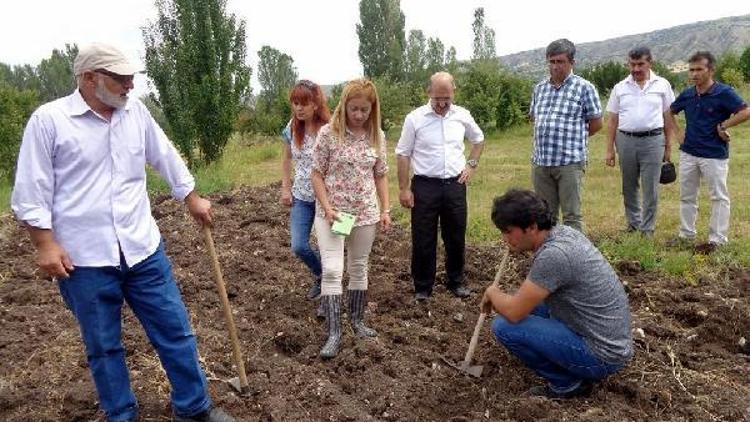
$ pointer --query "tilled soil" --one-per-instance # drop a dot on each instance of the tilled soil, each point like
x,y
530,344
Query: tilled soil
x,y
688,363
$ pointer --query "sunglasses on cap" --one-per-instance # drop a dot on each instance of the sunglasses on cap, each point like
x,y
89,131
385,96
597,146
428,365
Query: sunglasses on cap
x,y
121,79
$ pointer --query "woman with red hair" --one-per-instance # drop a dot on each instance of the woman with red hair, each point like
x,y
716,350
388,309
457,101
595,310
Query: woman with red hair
x,y
309,114
349,176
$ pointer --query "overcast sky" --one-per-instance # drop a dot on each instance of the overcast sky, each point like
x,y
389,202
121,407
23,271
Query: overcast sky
x,y
321,35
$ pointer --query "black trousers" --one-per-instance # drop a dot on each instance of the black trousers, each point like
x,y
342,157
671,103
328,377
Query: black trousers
x,y
436,201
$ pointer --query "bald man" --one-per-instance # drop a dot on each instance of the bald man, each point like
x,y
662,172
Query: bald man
x,y
432,147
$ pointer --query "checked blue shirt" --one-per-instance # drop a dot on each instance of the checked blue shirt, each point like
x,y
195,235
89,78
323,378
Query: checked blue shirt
x,y
561,118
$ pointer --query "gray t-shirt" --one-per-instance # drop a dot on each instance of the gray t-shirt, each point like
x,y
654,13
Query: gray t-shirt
x,y
585,293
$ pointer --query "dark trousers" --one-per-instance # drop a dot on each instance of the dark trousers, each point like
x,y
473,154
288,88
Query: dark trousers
x,y
437,201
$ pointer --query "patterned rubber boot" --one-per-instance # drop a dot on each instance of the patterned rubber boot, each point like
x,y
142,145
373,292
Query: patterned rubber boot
x,y
332,304
357,304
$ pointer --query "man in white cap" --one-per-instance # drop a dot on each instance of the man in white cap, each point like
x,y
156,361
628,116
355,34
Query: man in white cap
x,y
80,190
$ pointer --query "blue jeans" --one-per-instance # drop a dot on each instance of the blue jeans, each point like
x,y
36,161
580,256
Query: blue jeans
x,y
552,350
302,216
95,296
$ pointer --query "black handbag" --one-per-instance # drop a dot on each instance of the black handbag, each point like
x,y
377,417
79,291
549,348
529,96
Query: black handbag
x,y
668,173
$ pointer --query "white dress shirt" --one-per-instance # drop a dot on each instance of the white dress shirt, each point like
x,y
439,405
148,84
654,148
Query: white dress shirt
x,y
84,178
435,143
640,110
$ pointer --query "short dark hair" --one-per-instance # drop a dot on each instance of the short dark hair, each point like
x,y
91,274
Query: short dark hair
x,y
562,46
700,55
640,51
521,208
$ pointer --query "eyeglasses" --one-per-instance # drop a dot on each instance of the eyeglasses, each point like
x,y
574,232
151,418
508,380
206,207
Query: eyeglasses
x,y
121,79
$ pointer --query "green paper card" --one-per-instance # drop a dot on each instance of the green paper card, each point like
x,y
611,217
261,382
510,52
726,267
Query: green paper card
x,y
344,225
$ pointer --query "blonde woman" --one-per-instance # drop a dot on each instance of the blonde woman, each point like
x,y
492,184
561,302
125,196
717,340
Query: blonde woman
x,y
349,175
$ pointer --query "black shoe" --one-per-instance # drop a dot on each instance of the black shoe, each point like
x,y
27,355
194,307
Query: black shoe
x,y
214,414
460,291
582,390
314,291
421,296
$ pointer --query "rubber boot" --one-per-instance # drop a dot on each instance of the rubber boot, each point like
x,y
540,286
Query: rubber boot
x,y
357,304
332,304
320,312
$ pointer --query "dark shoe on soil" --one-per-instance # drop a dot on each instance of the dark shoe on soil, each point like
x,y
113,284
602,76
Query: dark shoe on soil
x,y
214,414
706,248
314,291
357,305
332,305
460,291
421,296
582,390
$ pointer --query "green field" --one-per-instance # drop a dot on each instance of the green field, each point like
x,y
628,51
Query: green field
x,y
505,163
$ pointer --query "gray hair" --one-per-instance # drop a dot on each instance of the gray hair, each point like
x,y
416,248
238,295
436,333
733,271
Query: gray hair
x,y
442,77
562,46
640,51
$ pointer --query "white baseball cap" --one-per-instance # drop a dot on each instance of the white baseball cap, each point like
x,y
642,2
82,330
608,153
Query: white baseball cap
x,y
103,56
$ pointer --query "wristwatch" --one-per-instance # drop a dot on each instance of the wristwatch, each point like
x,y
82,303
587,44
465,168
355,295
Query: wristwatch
x,y
472,163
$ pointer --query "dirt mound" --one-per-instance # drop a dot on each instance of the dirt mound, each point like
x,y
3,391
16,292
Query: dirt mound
x,y
689,364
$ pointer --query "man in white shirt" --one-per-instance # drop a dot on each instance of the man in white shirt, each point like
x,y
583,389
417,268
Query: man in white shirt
x,y
432,144
80,189
637,132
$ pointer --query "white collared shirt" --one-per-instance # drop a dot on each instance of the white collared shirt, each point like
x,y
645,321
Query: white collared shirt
x,y
435,143
640,110
84,178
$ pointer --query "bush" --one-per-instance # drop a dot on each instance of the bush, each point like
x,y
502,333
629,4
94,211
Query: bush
x,y
605,75
496,98
733,77
15,108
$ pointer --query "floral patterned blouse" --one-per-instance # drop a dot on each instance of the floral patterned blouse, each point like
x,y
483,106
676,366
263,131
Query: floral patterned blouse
x,y
302,186
349,168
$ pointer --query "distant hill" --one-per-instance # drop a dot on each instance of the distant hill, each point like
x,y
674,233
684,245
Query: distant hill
x,y
671,46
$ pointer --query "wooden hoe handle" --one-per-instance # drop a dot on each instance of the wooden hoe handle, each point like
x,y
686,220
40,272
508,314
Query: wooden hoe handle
x,y
482,316
236,352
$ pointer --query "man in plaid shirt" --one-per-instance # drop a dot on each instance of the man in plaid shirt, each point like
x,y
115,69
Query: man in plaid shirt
x,y
566,111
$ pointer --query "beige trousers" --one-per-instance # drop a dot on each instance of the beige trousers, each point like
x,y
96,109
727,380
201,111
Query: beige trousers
x,y
358,246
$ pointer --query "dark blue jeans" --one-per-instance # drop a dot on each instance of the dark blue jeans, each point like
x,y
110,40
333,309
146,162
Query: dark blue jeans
x,y
95,296
302,216
552,350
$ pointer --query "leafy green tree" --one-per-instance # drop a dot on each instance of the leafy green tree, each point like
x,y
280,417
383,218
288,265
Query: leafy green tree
x,y
435,55
484,37
195,55
496,98
604,75
416,60
15,108
677,81
55,74
745,64
382,39
276,74
733,76
727,66
451,63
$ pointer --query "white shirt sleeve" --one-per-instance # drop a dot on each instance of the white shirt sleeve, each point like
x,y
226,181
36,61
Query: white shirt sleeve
x,y
613,105
473,132
668,97
32,196
164,158
405,146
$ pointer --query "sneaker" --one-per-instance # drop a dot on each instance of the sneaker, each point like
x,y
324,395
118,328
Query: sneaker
x,y
214,414
706,248
460,291
422,296
582,390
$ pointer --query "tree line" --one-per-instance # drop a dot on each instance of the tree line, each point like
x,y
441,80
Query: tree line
x,y
196,61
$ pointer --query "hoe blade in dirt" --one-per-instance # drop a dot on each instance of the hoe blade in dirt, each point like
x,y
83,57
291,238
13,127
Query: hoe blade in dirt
x,y
473,370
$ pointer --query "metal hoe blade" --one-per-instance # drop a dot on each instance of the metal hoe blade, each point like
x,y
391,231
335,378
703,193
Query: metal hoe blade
x,y
473,370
